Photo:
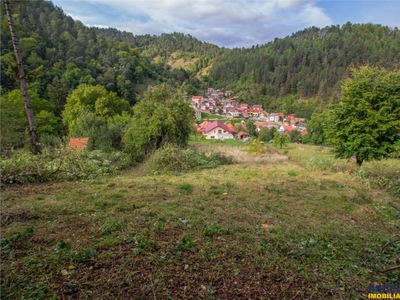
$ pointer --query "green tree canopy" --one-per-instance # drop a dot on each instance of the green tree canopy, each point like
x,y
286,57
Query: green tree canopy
x,y
317,127
367,121
13,121
92,99
280,139
160,117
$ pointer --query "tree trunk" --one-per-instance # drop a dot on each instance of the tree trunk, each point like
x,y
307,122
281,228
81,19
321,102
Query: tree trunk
x,y
23,86
359,161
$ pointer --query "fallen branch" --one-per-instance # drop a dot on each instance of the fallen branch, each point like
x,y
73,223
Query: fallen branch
x,y
391,269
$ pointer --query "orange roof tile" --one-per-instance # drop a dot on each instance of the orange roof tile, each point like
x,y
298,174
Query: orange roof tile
x,y
78,143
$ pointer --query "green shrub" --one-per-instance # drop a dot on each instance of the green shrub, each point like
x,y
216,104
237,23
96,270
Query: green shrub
x,y
257,146
58,164
174,159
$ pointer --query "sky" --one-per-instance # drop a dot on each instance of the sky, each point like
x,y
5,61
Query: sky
x,y
229,23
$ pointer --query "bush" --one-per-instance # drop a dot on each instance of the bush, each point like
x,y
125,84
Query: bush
x,y
257,146
174,159
381,175
58,164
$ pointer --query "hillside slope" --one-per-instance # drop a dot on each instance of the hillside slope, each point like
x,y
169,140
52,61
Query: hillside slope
x,y
288,229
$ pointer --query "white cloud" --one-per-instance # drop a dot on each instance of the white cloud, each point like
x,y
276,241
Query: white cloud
x,y
227,23
313,16
288,3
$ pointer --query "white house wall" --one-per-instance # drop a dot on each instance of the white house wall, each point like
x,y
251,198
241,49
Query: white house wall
x,y
222,135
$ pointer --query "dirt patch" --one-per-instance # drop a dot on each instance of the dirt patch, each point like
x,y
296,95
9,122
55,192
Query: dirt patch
x,y
128,277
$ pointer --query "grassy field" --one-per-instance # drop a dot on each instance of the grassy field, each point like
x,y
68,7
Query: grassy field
x,y
297,228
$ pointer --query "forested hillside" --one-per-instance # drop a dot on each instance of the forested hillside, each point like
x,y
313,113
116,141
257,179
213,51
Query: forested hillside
x,y
59,54
189,58
297,74
309,63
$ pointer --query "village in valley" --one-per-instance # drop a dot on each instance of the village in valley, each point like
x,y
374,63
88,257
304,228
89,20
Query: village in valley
x,y
227,108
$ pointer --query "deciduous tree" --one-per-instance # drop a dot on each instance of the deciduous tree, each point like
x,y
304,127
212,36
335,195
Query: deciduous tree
x,y
92,99
161,117
367,121
280,139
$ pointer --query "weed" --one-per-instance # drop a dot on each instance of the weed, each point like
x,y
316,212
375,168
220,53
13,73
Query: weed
x,y
22,235
109,241
110,226
214,228
63,246
216,190
83,256
292,173
141,242
185,243
185,188
384,175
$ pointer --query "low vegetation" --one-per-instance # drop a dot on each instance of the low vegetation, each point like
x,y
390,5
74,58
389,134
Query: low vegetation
x,y
299,228
59,164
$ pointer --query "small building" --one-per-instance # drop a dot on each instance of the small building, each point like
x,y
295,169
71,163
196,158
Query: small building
x,y
78,143
217,130
243,135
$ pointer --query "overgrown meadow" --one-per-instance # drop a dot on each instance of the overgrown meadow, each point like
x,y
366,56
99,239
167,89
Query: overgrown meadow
x,y
215,221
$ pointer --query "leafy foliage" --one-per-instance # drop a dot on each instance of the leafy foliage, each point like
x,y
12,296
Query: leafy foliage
x,y
161,117
58,164
257,146
92,99
14,123
280,139
317,127
367,121
294,136
266,134
175,159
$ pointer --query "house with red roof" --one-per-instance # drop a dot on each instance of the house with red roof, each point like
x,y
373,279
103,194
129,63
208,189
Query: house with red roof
x,y
230,103
202,126
286,129
254,112
217,130
234,112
